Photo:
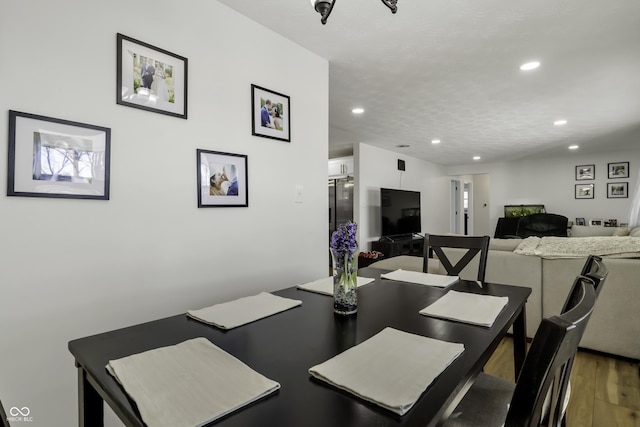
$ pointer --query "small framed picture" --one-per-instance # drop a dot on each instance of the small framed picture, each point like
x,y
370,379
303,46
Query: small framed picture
x,y
584,191
270,114
150,78
222,179
580,221
57,158
617,190
584,172
596,222
618,170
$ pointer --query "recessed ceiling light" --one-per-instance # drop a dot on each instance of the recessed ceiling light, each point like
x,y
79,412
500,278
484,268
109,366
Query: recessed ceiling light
x,y
357,110
476,157
530,66
573,147
435,141
403,146
560,122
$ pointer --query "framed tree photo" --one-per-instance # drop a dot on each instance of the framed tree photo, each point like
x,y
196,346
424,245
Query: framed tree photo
x,y
584,172
584,191
222,179
618,170
57,158
617,190
270,114
150,78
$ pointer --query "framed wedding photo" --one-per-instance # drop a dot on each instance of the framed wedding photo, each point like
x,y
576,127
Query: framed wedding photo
x,y
222,179
584,191
270,114
150,78
57,158
617,190
584,172
618,170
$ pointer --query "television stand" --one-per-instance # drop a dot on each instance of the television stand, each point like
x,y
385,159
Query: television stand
x,y
406,244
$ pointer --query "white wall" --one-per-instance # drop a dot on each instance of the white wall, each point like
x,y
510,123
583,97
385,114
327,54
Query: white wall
x,y
551,181
70,268
376,168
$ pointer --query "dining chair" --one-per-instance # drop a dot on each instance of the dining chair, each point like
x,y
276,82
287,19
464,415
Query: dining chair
x,y
491,401
5,421
473,244
595,269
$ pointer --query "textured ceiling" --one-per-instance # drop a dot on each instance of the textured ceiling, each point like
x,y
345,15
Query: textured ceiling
x,y
448,69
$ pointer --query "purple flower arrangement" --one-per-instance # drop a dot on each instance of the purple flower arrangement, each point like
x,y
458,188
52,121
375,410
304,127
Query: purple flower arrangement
x,y
344,249
343,240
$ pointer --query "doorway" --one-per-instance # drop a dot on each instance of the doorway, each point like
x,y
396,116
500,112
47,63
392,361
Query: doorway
x,y
456,197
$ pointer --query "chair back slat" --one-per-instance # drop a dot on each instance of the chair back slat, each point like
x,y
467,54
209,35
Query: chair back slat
x,y
595,270
3,414
547,365
473,244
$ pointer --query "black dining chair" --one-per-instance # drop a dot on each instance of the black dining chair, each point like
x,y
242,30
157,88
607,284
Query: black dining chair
x,y
5,421
475,246
594,269
492,401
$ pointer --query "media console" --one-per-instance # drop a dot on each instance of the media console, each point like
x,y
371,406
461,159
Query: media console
x,y
399,245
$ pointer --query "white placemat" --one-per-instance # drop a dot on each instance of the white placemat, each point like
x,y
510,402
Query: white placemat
x,y
189,384
325,285
467,307
238,312
391,369
429,279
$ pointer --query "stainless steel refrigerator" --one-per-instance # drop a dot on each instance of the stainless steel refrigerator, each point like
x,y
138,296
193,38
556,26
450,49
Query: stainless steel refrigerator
x,y
340,202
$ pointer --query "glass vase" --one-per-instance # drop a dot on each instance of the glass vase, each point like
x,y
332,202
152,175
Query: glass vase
x,y
345,282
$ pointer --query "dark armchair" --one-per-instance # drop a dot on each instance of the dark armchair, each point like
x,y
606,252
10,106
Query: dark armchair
x,y
542,224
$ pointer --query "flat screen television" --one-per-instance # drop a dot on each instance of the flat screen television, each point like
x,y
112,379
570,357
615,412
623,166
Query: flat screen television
x,y
399,212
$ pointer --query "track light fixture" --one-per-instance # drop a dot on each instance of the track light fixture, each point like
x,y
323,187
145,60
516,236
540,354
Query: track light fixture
x,y
324,7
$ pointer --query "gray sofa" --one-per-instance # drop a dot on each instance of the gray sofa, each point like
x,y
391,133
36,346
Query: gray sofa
x,y
615,324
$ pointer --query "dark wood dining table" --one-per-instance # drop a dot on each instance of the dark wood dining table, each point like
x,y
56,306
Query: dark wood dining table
x,y
284,346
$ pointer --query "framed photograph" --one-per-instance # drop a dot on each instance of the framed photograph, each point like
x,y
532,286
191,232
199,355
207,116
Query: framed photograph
x,y
270,114
584,191
222,179
618,170
584,172
596,222
580,221
57,158
150,78
617,190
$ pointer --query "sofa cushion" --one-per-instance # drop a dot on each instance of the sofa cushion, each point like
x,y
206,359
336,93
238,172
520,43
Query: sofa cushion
x,y
596,230
504,244
635,232
620,231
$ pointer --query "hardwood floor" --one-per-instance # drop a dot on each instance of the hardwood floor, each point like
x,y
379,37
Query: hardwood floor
x,y
605,391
